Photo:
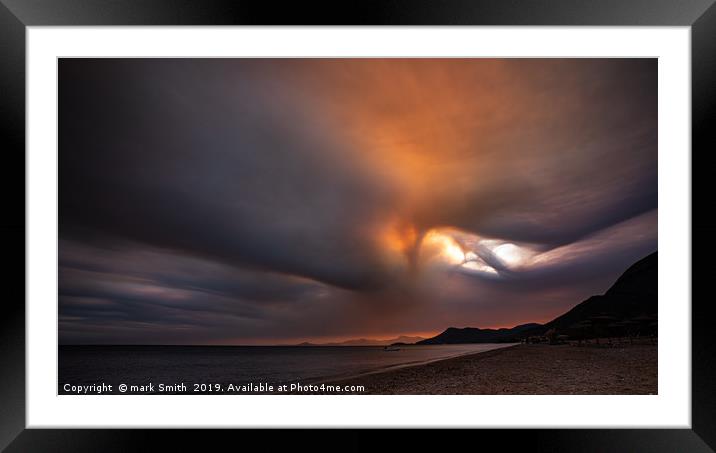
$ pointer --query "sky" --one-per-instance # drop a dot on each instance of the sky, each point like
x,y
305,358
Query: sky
x,y
273,201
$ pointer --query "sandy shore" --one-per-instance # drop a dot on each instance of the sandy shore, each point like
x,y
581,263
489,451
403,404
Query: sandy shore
x,y
525,370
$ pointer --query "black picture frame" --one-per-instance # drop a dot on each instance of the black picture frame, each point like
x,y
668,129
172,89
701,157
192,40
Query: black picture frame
x,y
16,15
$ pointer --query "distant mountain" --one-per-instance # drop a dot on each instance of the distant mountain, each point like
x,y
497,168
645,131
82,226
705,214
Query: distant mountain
x,y
629,306
368,342
453,335
632,297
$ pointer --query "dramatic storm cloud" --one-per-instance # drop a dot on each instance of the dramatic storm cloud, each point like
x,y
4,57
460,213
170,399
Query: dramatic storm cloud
x,y
279,200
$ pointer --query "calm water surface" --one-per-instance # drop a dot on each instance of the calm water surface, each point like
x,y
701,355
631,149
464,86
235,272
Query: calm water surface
x,y
139,365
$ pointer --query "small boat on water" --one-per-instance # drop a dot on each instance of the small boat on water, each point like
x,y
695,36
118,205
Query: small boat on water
x,y
391,348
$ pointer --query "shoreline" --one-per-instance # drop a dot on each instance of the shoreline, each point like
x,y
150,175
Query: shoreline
x,y
524,370
517,369
400,366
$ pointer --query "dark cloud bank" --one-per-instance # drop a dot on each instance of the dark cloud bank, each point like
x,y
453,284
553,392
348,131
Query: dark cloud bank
x,y
259,201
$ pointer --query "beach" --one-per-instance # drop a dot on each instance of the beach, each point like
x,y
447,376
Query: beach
x,y
526,369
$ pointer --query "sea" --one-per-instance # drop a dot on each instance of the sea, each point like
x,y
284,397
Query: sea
x,y
92,370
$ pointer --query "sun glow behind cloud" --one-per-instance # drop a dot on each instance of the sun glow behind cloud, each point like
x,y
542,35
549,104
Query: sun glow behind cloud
x,y
437,245
474,254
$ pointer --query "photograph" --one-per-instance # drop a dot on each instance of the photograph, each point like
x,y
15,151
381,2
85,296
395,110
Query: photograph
x,y
453,220
357,226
